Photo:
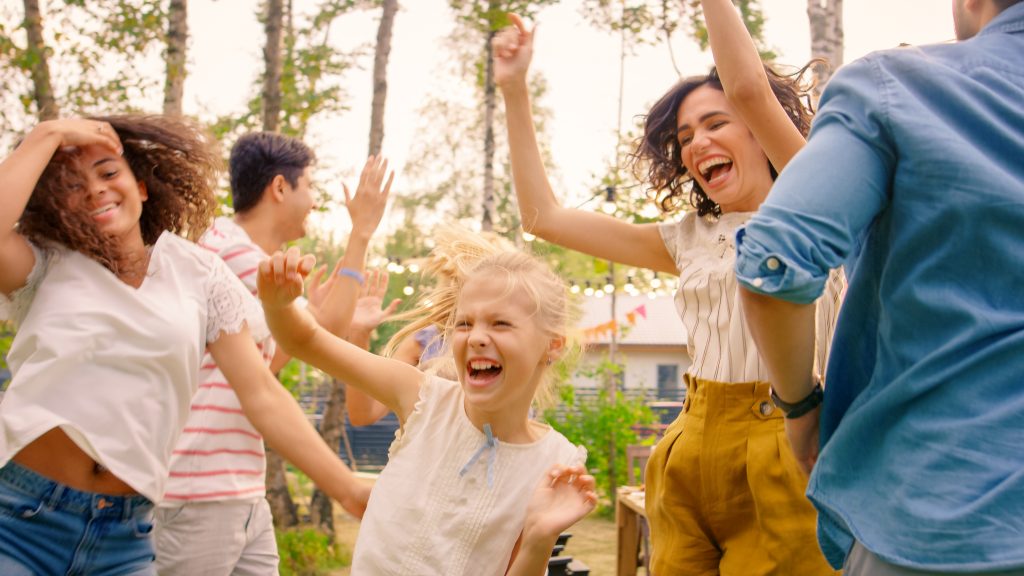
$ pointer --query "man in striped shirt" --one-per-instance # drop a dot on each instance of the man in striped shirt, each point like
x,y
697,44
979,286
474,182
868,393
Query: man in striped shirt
x,y
215,518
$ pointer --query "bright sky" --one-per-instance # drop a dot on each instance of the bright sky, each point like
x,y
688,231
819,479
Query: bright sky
x,y
579,62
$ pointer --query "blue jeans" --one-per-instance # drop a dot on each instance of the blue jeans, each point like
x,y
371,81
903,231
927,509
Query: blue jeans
x,y
49,528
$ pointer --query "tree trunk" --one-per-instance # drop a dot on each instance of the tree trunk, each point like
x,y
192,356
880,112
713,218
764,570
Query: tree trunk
x,y
281,504
490,103
380,76
332,429
43,90
177,46
826,20
273,65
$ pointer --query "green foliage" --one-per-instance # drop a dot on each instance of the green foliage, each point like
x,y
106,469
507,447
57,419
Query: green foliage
x,y
753,18
642,21
96,57
594,422
311,77
653,21
309,552
6,337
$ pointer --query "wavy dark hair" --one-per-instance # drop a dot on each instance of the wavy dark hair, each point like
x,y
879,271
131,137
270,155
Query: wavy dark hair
x,y
656,158
176,160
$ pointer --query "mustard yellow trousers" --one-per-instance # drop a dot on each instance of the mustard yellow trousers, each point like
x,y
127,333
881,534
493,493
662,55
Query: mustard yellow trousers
x,y
724,492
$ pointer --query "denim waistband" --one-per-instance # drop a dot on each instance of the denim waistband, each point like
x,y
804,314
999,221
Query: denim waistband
x,y
60,496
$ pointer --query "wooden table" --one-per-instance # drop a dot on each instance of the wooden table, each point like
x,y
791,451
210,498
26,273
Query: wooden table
x,y
630,520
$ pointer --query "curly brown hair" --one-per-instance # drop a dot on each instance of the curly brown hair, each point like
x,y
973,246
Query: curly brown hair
x,y
176,160
656,157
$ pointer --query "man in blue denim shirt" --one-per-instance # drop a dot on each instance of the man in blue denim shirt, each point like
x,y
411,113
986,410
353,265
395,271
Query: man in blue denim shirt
x,y
914,171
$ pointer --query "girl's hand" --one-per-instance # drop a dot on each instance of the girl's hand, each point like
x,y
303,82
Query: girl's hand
x,y
80,132
366,208
513,50
370,311
318,286
281,277
564,496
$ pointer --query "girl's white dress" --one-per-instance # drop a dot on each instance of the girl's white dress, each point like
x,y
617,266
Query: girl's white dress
x,y
448,503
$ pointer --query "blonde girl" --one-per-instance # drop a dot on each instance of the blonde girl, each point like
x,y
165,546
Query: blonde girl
x,y
473,485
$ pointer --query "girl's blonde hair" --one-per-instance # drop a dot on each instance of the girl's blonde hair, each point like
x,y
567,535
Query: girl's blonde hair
x,y
460,255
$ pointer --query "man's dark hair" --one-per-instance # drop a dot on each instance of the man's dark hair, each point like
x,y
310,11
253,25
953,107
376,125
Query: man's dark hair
x,y
256,158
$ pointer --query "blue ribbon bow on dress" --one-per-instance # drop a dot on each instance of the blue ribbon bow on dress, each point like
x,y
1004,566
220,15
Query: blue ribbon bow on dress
x,y
490,445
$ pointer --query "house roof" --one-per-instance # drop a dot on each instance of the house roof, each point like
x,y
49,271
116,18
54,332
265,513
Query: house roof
x,y
642,321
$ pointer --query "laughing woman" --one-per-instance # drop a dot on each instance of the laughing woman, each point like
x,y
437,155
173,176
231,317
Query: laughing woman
x,y
724,493
114,309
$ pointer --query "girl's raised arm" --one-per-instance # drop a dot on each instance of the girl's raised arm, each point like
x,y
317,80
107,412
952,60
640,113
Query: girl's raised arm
x,y
746,83
392,382
277,416
541,213
19,174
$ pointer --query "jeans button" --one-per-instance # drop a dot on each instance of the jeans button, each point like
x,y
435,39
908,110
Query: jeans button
x,y
766,408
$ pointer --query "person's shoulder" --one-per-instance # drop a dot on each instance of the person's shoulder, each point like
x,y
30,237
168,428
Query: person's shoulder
x,y
186,253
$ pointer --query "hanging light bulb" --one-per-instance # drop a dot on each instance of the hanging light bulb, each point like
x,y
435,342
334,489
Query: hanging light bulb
x,y
608,286
629,287
588,290
408,290
574,287
414,268
655,282
528,237
608,205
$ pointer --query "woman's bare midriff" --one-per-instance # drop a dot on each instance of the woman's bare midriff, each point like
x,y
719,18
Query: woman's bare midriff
x,y
55,456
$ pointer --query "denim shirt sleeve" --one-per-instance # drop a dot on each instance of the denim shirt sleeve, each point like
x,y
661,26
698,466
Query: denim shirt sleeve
x,y
827,196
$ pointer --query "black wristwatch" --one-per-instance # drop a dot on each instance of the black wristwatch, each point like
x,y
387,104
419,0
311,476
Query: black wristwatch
x,y
799,408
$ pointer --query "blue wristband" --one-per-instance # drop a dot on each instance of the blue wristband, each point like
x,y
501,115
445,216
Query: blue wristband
x,y
353,274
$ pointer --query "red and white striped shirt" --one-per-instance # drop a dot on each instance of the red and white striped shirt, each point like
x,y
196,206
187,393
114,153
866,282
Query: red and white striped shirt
x,y
219,455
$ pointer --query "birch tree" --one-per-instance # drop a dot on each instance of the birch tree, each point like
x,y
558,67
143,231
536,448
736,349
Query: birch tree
x,y
826,20
36,60
175,56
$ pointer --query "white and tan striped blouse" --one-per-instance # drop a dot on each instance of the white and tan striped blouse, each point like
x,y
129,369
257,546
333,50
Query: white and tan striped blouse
x,y
718,339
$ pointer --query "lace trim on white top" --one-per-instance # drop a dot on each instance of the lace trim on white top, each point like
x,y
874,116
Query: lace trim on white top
x,y
230,307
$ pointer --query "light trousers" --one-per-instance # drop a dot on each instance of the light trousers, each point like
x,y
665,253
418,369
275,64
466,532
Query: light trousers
x,y
228,538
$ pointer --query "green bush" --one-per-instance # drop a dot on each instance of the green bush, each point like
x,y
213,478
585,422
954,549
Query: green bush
x,y
593,422
309,552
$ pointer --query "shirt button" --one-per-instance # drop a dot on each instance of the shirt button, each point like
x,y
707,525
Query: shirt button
x,y
757,282
766,408
772,263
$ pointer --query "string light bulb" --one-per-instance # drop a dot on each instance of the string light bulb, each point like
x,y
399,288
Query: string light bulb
x,y
408,290
608,205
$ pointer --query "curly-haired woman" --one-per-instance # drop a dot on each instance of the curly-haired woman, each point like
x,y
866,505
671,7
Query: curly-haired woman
x,y
114,309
